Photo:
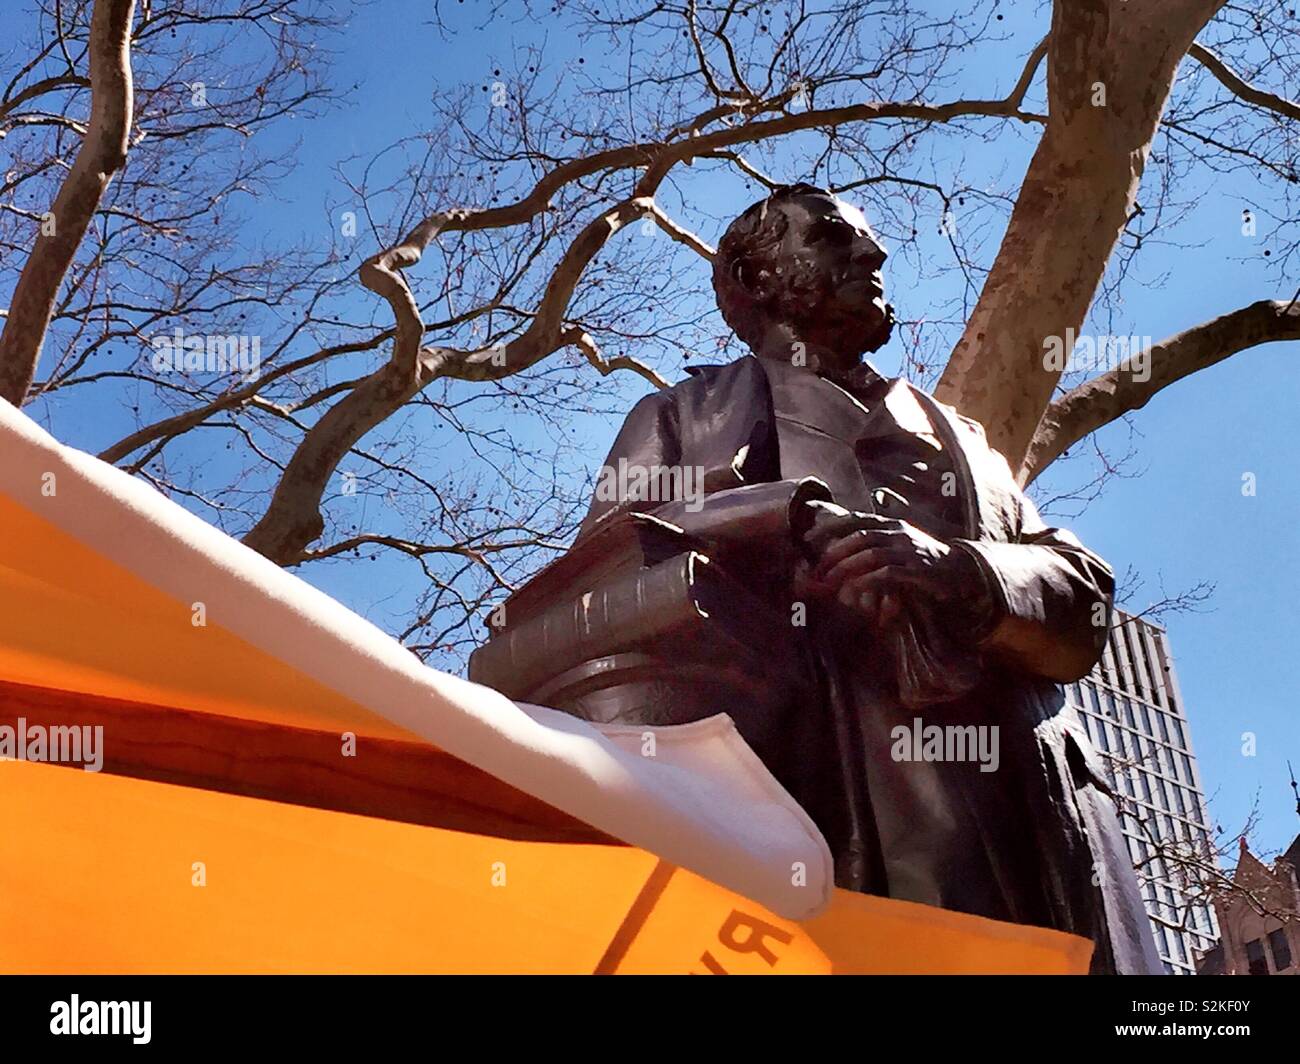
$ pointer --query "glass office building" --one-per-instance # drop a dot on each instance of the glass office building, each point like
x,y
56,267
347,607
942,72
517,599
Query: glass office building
x,y
1134,714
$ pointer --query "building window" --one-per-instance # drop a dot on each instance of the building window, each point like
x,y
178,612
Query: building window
x,y
1164,731
1255,957
1179,951
1280,948
1148,675
1145,789
1124,743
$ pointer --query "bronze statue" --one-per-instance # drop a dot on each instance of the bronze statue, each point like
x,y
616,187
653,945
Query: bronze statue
x,y
847,568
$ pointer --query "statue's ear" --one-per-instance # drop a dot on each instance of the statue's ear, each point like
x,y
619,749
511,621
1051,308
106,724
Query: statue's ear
x,y
742,272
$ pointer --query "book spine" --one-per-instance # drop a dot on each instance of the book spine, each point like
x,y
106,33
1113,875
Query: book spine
x,y
624,613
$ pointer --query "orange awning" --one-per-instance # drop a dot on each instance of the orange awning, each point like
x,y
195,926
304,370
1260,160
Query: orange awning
x,y
232,829
107,874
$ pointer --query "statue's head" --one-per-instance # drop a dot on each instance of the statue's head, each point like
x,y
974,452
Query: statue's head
x,y
803,267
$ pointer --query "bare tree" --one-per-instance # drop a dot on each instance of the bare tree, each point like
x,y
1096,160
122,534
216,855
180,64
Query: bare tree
x,y
539,243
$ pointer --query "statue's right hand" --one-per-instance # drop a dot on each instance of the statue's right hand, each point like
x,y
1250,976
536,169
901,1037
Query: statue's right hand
x,y
826,523
829,524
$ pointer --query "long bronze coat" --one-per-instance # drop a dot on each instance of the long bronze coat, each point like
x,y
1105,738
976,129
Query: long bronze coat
x,y
1037,841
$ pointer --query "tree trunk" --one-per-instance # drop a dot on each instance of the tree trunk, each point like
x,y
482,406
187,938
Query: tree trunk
x,y
102,153
1111,65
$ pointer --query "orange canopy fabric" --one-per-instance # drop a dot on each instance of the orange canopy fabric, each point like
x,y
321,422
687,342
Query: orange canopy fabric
x,y
113,590
108,873
72,619
103,874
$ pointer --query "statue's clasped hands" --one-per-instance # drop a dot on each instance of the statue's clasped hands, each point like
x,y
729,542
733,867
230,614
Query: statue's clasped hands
x,y
875,565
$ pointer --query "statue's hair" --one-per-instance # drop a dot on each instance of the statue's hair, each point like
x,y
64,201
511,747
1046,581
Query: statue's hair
x,y
749,290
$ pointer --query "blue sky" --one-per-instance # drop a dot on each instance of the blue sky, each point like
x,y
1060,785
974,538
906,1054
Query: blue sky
x,y
1184,520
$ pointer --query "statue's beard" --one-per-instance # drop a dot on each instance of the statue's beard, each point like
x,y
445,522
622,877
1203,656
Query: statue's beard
x,y
842,332
882,332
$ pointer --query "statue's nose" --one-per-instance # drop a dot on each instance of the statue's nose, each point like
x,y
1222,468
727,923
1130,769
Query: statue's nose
x,y
870,255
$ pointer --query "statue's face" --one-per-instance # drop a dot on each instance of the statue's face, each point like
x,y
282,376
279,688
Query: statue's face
x,y
803,269
851,316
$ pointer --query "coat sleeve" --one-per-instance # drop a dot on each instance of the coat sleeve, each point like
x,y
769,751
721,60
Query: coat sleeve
x,y
1052,598
650,437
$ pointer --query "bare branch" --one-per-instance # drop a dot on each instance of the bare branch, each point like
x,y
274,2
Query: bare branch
x,y
606,366
1243,89
682,236
1130,385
